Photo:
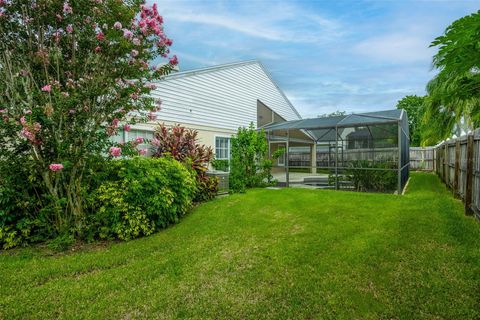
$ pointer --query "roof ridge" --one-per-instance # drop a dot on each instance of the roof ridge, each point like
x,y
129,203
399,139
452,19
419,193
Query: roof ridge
x,y
210,68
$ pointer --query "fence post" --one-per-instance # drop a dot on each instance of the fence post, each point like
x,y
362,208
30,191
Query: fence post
x,y
469,177
456,178
445,164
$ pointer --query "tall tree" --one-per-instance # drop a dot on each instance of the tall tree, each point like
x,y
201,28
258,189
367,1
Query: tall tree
x,y
70,73
414,106
454,94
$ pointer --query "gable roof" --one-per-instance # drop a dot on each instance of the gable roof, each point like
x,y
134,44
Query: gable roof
x,y
222,96
193,72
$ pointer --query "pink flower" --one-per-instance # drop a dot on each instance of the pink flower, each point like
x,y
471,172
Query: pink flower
x,y
127,34
136,41
126,127
173,61
69,28
56,167
100,36
134,53
27,111
47,88
115,151
152,116
65,94
23,121
98,49
134,96
151,86
117,25
66,8
155,142
139,140
115,122
3,110
71,111
27,134
143,152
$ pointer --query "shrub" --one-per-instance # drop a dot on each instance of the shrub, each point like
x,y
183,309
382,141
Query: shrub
x,y
249,165
70,73
221,164
364,177
21,217
182,144
139,196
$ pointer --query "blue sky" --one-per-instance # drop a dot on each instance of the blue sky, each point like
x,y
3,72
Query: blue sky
x,y
326,55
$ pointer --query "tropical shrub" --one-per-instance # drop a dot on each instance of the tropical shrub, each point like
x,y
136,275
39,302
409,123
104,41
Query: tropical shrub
x,y
182,144
249,164
139,196
70,73
364,177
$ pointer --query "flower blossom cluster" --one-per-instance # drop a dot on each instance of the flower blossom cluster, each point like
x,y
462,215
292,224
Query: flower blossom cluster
x,y
55,167
30,130
115,151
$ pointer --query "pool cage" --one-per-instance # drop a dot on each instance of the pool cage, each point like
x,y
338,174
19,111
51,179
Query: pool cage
x,y
361,152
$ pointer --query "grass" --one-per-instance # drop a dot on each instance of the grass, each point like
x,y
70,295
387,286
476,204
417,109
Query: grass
x,y
277,254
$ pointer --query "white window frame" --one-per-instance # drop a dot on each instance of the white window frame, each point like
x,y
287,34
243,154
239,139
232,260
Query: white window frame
x,y
229,150
283,156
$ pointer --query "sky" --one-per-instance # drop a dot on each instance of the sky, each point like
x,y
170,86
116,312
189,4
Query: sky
x,y
352,56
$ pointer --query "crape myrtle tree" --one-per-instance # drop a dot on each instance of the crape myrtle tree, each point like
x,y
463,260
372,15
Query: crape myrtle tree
x,y
71,72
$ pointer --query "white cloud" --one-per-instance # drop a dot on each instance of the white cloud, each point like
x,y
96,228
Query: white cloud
x,y
281,22
396,48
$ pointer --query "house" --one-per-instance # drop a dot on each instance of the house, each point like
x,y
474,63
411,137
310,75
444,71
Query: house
x,y
216,101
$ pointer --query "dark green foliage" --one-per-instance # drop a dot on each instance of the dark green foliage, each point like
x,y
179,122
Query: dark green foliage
x,y
221,164
207,189
249,165
27,215
139,196
414,106
369,176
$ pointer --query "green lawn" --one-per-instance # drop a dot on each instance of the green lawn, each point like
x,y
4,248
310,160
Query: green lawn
x,y
290,253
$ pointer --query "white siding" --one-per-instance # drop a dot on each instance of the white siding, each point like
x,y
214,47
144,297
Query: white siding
x,y
221,97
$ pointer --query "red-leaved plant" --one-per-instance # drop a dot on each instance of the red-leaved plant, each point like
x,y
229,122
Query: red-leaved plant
x,y
182,144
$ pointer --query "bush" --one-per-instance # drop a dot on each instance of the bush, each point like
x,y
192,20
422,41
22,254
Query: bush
x,y
54,115
221,164
140,196
364,178
22,218
249,165
182,144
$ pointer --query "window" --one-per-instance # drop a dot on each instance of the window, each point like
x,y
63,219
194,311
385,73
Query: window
x,y
146,135
134,134
222,148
